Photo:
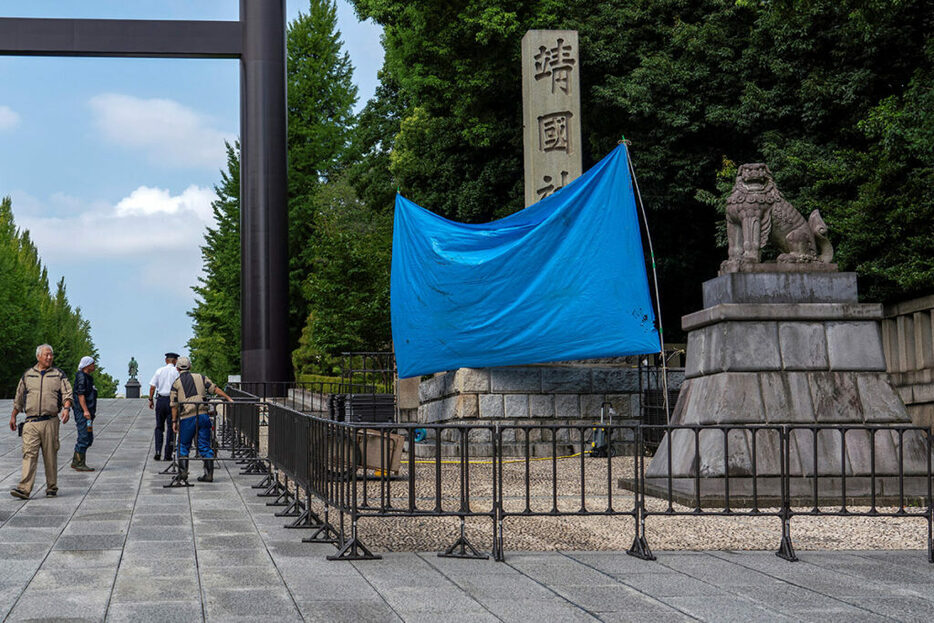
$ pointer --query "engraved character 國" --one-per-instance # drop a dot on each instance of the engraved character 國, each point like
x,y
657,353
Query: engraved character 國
x,y
553,132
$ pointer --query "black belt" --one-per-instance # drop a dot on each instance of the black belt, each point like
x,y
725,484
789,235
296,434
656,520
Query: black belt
x,y
159,396
39,418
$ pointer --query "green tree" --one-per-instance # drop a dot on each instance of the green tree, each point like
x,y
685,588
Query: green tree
x,y
19,305
691,85
837,99
372,144
458,149
349,280
321,97
215,345
69,333
890,221
30,315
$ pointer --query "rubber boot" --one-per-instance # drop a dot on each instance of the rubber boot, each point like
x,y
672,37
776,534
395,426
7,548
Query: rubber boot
x,y
208,475
74,461
183,469
81,465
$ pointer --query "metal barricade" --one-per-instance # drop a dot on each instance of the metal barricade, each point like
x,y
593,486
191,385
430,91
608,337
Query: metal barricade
x,y
370,472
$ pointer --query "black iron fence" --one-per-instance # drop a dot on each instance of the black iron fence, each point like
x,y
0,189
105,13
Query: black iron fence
x,y
377,368
293,390
243,420
331,476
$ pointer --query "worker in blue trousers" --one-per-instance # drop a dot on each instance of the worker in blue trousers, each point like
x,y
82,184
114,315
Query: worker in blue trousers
x,y
84,406
190,417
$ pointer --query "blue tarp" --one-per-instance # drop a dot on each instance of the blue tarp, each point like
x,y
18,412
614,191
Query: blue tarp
x,y
562,279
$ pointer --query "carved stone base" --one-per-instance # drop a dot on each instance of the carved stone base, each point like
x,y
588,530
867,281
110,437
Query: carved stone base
x,y
733,266
794,361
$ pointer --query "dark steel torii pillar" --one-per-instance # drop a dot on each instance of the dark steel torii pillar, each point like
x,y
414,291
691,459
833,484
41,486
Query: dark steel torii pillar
x,y
258,40
263,206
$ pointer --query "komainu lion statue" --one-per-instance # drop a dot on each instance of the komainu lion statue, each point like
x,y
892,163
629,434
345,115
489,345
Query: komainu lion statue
x,y
756,213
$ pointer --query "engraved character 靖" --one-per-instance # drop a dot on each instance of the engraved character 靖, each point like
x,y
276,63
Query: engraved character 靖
x,y
556,63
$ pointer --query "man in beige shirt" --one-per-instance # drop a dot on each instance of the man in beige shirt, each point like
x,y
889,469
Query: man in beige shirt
x,y
44,395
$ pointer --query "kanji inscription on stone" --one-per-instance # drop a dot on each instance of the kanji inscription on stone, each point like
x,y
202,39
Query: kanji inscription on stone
x,y
551,184
553,131
550,111
556,63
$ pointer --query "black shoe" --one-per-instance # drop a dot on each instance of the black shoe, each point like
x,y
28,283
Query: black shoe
x,y
51,493
208,475
158,457
16,493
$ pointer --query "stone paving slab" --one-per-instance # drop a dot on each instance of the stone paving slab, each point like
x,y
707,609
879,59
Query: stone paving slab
x,y
117,546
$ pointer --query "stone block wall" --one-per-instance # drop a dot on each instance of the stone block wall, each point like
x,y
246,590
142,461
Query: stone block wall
x,y
529,394
908,341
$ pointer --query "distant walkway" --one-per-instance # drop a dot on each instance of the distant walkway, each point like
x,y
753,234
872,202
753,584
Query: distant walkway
x,y
115,545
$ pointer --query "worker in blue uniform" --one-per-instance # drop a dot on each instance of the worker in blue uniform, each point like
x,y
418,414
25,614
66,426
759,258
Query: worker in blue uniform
x,y
190,417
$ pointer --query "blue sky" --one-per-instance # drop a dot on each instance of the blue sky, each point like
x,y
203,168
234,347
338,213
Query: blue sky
x,y
111,165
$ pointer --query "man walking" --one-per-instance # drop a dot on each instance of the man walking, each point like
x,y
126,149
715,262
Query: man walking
x,y
161,385
43,394
85,408
190,418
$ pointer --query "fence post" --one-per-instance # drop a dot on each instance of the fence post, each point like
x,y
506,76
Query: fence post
x,y
930,513
640,547
352,549
785,549
498,553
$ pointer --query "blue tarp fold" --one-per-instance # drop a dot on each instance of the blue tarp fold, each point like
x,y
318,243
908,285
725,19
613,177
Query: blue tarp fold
x,y
562,279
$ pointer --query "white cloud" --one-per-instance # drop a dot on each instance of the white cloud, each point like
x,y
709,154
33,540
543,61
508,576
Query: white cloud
x,y
8,118
151,229
146,201
168,132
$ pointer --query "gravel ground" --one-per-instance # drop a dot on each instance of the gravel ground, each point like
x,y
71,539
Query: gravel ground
x,y
536,533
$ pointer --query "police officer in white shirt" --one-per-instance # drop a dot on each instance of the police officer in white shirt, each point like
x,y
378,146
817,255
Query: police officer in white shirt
x,y
160,386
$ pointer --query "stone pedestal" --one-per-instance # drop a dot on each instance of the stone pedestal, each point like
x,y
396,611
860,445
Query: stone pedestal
x,y
560,399
785,348
132,388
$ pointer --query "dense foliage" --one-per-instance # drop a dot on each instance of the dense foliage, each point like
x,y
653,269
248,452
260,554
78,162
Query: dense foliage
x,y
833,95
349,280
837,96
31,314
321,97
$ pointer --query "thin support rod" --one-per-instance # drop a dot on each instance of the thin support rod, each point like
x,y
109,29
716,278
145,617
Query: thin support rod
x,y
658,301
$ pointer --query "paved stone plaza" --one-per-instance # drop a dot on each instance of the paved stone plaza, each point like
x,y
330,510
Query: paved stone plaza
x,y
116,546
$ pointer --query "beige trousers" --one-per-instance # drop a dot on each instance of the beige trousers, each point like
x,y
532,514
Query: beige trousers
x,y
36,436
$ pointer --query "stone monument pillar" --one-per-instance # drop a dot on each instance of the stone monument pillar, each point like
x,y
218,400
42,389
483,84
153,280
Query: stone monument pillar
x,y
784,343
550,111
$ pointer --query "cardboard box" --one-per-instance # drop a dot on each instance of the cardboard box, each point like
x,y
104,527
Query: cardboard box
x,y
378,443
